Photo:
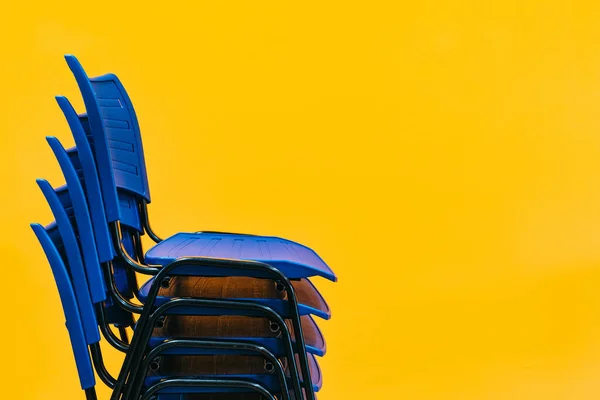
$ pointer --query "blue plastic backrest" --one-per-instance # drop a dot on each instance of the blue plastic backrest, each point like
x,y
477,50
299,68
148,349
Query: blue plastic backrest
x,y
127,202
82,218
90,182
75,263
130,213
123,132
100,140
70,308
111,121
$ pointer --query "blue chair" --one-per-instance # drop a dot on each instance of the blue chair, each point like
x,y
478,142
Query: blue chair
x,y
317,348
312,302
60,244
68,163
111,124
113,130
50,240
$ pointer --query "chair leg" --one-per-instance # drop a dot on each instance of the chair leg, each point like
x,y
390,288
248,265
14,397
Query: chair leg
x,y
139,248
99,366
108,334
146,223
123,334
90,394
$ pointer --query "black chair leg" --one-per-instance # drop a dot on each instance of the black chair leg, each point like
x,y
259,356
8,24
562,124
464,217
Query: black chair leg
x,y
123,334
90,394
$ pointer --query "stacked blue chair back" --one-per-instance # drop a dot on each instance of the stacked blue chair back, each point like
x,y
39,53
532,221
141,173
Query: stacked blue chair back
x,y
78,277
49,238
100,249
118,150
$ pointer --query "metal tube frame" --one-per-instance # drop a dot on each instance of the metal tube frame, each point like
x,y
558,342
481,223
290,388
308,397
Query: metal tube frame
x,y
90,394
116,296
222,383
99,366
108,334
146,222
134,358
162,271
216,345
147,229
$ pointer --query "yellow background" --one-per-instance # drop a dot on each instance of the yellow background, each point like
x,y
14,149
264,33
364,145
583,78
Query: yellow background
x,y
442,156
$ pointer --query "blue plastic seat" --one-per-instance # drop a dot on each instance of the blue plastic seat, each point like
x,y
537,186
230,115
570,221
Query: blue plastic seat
x,y
294,260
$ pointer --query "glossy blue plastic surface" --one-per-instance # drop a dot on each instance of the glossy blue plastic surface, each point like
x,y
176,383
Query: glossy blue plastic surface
x,y
128,213
75,263
269,381
90,181
70,308
84,223
122,130
294,260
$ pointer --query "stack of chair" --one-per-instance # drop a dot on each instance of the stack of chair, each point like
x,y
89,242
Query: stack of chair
x,y
221,315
